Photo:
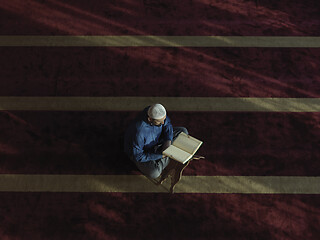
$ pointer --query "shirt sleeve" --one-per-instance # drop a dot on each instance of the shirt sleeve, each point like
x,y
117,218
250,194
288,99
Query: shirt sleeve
x,y
139,154
167,130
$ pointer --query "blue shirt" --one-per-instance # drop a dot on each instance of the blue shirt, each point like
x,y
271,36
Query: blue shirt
x,y
141,137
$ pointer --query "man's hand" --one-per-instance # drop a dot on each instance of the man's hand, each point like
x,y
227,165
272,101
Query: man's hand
x,y
165,145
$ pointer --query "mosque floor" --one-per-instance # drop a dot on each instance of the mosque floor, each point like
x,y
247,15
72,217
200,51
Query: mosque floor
x,y
63,174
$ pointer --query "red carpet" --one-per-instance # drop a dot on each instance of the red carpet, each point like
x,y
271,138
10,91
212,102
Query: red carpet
x,y
165,17
202,72
158,216
234,143
267,144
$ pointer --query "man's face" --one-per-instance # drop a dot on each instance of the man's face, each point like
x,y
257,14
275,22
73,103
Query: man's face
x,y
157,122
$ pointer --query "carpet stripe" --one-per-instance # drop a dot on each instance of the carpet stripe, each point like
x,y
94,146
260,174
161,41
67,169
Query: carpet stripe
x,y
172,104
139,183
160,41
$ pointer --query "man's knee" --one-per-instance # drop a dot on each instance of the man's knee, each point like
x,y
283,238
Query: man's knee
x,y
183,129
153,174
150,169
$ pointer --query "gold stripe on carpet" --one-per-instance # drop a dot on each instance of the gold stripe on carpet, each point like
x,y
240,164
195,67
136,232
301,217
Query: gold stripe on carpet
x,y
160,41
193,104
139,183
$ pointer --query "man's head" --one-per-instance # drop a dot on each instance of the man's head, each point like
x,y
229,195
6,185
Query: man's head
x,y
157,114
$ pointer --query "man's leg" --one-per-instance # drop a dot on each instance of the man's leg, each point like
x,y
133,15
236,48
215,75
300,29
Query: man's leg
x,y
153,169
178,130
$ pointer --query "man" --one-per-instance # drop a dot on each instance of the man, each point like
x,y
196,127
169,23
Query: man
x,y
147,137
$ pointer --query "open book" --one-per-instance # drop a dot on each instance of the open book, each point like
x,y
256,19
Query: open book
x,y
183,148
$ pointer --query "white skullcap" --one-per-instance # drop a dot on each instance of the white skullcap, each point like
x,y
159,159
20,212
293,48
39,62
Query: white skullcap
x,y
156,111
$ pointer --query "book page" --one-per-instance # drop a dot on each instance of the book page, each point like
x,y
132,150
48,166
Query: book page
x,y
187,143
177,154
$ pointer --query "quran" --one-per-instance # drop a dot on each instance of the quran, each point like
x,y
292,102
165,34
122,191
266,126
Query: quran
x,y
183,148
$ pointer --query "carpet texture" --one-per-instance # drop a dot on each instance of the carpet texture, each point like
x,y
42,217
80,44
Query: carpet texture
x,y
235,143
